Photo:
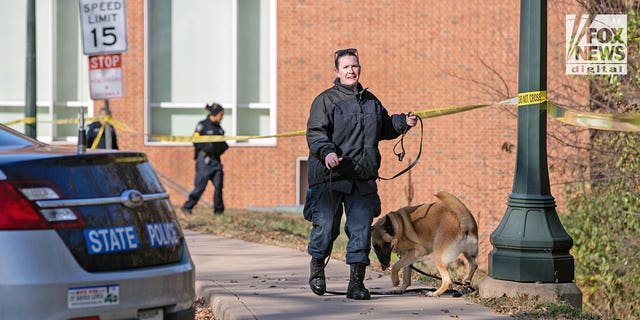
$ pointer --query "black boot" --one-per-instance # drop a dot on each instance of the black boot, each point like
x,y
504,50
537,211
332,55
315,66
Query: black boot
x,y
316,278
356,289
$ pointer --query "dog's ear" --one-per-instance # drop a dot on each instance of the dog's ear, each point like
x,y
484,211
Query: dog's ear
x,y
396,223
387,238
388,227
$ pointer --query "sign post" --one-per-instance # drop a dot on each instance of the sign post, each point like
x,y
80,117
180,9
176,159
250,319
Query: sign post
x,y
104,37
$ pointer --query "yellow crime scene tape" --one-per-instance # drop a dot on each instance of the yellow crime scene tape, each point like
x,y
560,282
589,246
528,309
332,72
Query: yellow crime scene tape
x,y
430,113
596,120
591,120
585,119
199,138
533,97
25,120
115,123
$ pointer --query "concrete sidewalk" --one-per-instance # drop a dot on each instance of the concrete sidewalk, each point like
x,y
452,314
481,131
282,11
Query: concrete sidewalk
x,y
244,280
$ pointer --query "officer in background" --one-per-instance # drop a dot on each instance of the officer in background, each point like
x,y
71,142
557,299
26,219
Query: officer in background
x,y
98,130
208,164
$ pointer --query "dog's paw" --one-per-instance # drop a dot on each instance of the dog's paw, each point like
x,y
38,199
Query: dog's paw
x,y
431,294
397,291
467,288
425,293
395,280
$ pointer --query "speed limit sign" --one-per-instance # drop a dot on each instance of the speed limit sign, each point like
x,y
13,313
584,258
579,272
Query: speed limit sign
x,y
104,26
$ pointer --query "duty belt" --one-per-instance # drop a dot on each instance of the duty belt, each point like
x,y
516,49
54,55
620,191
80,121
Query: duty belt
x,y
204,154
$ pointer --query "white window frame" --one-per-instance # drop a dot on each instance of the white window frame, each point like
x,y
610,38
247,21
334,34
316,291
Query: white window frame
x,y
50,102
233,106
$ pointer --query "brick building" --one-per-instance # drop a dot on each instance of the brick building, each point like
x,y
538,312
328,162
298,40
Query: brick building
x,y
265,61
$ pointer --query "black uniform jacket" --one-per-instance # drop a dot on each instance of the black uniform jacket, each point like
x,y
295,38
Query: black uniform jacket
x,y
92,133
351,125
214,150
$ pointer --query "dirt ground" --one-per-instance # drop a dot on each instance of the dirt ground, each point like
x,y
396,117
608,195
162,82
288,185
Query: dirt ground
x,y
203,311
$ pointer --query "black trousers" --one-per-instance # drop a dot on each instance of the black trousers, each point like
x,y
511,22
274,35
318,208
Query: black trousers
x,y
324,208
207,170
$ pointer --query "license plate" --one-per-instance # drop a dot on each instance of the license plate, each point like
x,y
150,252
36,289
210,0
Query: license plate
x,y
94,296
151,314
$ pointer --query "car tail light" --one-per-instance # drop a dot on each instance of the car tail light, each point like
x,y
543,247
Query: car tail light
x,y
18,211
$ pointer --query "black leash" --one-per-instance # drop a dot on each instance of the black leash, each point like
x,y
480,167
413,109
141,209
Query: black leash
x,y
454,293
436,277
401,154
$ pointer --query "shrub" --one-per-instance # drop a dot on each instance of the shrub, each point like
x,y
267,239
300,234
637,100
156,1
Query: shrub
x,y
604,223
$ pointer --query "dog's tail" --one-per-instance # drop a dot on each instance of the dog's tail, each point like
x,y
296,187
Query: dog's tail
x,y
467,222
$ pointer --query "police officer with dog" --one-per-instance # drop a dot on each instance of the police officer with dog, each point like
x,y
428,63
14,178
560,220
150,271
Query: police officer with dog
x,y
345,124
208,164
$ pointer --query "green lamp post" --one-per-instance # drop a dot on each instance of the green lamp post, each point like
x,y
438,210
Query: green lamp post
x,y
530,245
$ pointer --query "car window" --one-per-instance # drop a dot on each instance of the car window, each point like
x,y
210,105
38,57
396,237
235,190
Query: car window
x,y
13,139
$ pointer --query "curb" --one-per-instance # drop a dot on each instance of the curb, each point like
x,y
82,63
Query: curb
x,y
224,306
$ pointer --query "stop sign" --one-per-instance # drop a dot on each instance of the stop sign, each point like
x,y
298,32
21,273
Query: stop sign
x,y
105,76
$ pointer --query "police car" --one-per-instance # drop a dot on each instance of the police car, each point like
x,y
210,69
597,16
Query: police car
x,y
88,236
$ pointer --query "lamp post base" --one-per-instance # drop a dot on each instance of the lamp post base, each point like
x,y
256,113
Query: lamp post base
x,y
530,244
548,292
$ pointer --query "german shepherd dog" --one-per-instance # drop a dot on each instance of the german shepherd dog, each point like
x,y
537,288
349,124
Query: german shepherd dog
x,y
444,229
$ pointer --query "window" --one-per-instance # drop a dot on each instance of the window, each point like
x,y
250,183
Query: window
x,y
302,184
61,76
202,51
